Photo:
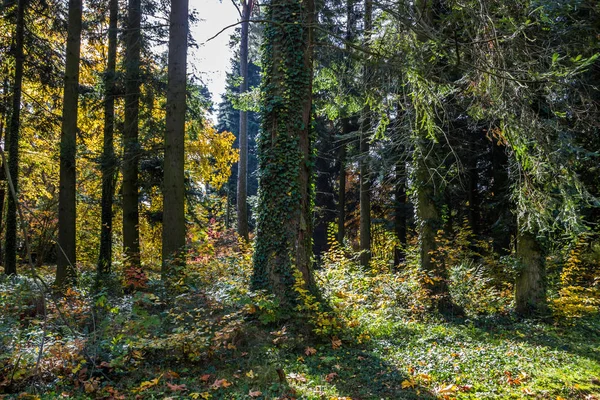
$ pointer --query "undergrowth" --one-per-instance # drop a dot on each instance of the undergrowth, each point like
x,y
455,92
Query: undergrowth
x,y
370,334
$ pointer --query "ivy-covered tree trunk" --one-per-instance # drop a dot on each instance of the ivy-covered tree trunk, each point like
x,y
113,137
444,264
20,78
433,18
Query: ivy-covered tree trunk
x,y
242,181
283,244
530,285
65,272
108,151
173,239
10,266
365,173
131,150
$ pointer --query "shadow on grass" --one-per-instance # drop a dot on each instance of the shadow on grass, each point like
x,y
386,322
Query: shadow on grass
x,y
360,373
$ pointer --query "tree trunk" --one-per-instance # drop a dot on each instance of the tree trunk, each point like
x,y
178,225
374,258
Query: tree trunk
x,y
341,230
472,186
10,266
502,222
530,285
108,156
131,147
365,174
65,272
429,221
400,212
283,244
242,181
173,239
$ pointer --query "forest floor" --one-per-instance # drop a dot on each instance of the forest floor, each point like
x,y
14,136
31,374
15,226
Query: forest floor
x,y
214,339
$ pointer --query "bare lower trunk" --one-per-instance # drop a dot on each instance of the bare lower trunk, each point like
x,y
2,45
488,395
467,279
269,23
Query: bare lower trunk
x,y
341,223
365,198
108,156
131,151
530,285
65,273
429,221
400,213
365,173
242,181
10,266
173,239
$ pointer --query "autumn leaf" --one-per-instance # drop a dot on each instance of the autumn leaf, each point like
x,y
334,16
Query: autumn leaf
x,y
148,384
330,377
408,384
221,383
336,343
171,375
527,391
250,374
447,389
297,377
255,393
310,351
205,377
176,388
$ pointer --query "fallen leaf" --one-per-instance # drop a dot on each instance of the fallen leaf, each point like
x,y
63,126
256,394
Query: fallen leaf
x,y
527,391
336,343
220,383
330,377
205,378
250,374
171,375
255,393
309,351
176,388
447,389
408,384
297,377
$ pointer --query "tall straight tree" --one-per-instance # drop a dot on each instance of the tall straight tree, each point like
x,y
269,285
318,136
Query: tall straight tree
x,y
284,229
65,272
173,239
131,153
365,174
108,156
242,181
10,266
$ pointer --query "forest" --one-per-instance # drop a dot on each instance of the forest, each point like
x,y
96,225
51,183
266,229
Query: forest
x,y
393,199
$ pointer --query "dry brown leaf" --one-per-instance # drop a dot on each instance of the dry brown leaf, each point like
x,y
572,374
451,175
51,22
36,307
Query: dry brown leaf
x,y
309,351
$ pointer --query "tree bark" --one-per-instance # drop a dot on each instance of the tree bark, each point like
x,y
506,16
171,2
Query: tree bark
x,y
283,244
10,266
3,136
242,181
108,157
173,239
65,272
365,173
131,147
530,285
341,223
400,212
429,222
